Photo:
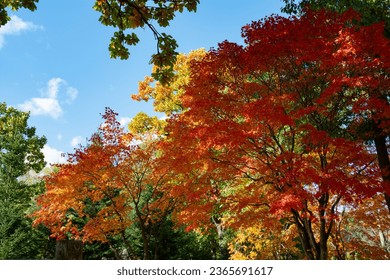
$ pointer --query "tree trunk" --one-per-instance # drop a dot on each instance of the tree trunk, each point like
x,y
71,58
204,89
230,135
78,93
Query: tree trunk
x,y
145,241
323,245
384,165
324,230
309,251
69,250
313,250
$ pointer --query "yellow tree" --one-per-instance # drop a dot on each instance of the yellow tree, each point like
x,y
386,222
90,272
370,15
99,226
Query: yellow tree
x,y
261,243
167,97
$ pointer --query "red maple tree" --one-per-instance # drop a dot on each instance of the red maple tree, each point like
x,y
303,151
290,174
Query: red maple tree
x,y
271,127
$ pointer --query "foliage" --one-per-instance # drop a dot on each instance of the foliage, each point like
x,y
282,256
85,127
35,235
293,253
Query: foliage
x,y
167,97
132,14
364,232
20,152
105,188
127,15
271,136
14,5
257,242
143,124
20,148
267,151
372,11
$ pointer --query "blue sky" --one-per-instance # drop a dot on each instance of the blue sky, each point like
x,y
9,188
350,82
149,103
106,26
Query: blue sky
x,y
54,62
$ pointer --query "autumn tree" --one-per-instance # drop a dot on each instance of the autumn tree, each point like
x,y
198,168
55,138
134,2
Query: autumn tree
x,y
371,12
167,99
143,124
20,153
258,242
105,188
273,124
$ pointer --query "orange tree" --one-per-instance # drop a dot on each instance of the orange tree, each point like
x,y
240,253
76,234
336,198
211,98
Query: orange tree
x,y
167,99
106,187
268,125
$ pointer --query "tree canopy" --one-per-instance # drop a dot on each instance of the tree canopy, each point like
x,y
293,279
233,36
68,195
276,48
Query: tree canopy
x,y
371,11
105,188
273,135
274,149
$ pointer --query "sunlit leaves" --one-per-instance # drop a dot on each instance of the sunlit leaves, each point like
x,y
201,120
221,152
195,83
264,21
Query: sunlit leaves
x,y
258,242
133,14
142,124
118,44
14,5
167,97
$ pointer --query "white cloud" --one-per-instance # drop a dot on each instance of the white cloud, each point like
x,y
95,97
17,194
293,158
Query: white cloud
x,y
42,106
71,93
52,155
53,87
50,103
76,141
124,121
14,27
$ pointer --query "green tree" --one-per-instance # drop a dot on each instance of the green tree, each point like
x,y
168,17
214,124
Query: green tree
x,y
371,11
20,152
